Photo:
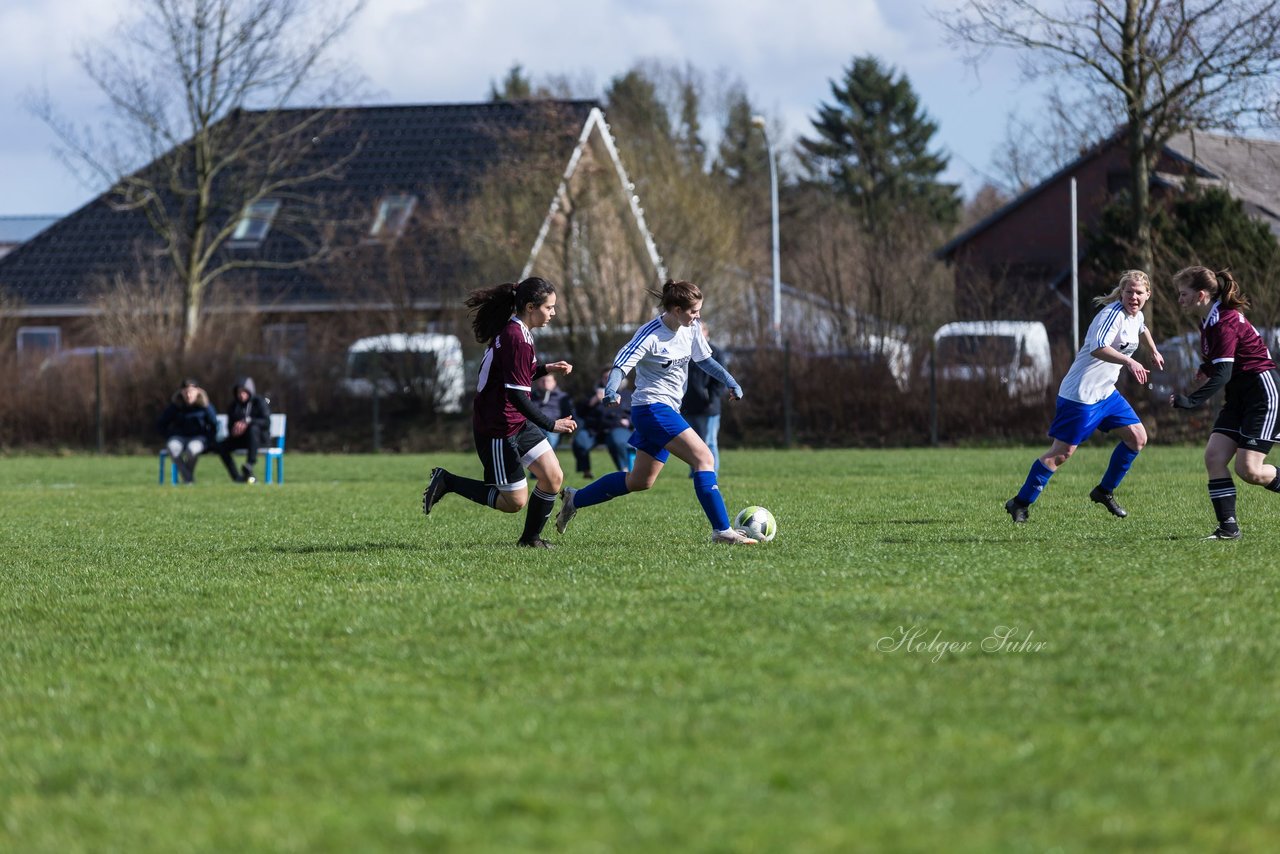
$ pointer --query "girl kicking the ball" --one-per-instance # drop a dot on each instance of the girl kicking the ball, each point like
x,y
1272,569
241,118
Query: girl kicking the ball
x,y
660,352
1088,399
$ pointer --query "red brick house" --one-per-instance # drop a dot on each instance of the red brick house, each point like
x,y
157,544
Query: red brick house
x,y
1016,263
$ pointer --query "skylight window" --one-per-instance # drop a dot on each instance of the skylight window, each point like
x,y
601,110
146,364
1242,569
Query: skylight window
x,y
393,214
255,222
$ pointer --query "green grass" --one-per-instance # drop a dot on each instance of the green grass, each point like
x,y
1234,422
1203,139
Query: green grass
x,y
318,667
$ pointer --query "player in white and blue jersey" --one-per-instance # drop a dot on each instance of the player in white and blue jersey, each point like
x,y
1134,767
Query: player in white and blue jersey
x,y
660,353
1088,399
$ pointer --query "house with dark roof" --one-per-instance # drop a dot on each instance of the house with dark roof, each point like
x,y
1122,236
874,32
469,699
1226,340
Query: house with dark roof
x,y
1016,263
405,177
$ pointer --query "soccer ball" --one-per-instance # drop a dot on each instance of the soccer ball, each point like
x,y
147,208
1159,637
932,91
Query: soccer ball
x,y
758,523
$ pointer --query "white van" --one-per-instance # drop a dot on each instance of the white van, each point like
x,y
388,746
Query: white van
x,y
1013,352
428,364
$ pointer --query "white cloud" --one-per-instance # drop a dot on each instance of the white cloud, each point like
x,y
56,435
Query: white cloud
x,y
424,51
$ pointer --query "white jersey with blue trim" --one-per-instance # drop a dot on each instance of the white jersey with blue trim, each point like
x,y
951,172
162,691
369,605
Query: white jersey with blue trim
x,y
661,359
1091,380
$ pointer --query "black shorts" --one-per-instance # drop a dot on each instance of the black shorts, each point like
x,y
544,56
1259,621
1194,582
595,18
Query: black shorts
x,y
506,459
1251,412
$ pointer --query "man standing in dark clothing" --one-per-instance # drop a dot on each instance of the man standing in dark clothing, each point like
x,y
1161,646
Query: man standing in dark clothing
x,y
248,427
701,403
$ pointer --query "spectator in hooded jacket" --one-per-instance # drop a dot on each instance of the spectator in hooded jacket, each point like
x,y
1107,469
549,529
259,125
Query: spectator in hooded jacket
x,y
190,427
248,427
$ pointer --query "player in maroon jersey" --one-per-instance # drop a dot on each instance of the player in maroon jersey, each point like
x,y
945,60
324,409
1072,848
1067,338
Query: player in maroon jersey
x,y
508,427
1235,358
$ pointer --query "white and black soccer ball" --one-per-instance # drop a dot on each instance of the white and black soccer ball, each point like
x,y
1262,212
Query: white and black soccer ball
x,y
758,523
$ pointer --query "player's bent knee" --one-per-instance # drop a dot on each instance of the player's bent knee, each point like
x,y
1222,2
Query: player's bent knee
x,y
637,484
1251,474
510,502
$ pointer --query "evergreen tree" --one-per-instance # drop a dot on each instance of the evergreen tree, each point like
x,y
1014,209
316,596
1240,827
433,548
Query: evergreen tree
x,y
689,145
516,86
635,109
872,146
742,159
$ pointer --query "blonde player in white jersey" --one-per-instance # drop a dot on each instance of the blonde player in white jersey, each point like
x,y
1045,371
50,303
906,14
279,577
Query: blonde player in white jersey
x,y
1088,399
660,352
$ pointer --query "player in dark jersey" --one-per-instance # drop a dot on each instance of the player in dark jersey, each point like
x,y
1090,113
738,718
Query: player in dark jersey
x,y
508,427
1235,358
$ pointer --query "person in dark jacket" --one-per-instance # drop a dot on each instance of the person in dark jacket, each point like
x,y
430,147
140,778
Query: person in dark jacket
x,y
553,402
701,403
248,427
603,425
190,426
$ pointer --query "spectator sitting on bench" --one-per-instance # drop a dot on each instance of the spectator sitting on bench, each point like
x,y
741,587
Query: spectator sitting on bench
x,y
190,427
607,425
248,427
553,402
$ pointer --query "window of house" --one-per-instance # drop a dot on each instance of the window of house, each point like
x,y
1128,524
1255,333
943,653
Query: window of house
x,y
255,222
393,215
38,342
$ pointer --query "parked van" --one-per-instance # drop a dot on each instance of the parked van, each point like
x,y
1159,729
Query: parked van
x,y
428,365
1182,360
1014,353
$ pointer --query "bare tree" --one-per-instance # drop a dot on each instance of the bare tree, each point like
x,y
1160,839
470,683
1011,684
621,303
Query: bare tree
x,y
1156,67
201,87
841,264
1032,150
697,220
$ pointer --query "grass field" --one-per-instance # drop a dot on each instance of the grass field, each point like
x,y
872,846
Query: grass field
x,y
317,667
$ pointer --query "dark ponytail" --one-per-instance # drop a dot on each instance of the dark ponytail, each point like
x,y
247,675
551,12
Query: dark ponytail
x,y
1229,291
491,308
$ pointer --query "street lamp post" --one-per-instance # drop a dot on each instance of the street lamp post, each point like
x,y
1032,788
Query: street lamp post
x,y
760,122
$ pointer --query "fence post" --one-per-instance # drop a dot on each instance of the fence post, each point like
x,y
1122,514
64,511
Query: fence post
x,y
377,424
97,402
933,396
786,393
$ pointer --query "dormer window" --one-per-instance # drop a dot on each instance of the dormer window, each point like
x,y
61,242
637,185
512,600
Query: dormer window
x,y
393,214
255,222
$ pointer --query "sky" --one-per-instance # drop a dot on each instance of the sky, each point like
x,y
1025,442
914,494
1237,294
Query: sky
x,y
785,52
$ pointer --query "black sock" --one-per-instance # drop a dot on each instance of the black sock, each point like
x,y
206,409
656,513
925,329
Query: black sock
x,y
1222,492
472,490
535,518
1274,485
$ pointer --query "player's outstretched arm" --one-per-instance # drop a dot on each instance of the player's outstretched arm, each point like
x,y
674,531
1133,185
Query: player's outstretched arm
x,y
716,371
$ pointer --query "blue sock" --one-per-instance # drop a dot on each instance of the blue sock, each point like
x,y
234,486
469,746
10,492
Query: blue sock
x,y
1036,480
1121,458
601,489
704,485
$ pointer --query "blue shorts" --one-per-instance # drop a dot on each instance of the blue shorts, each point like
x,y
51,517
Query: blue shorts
x,y
656,425
1074,422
